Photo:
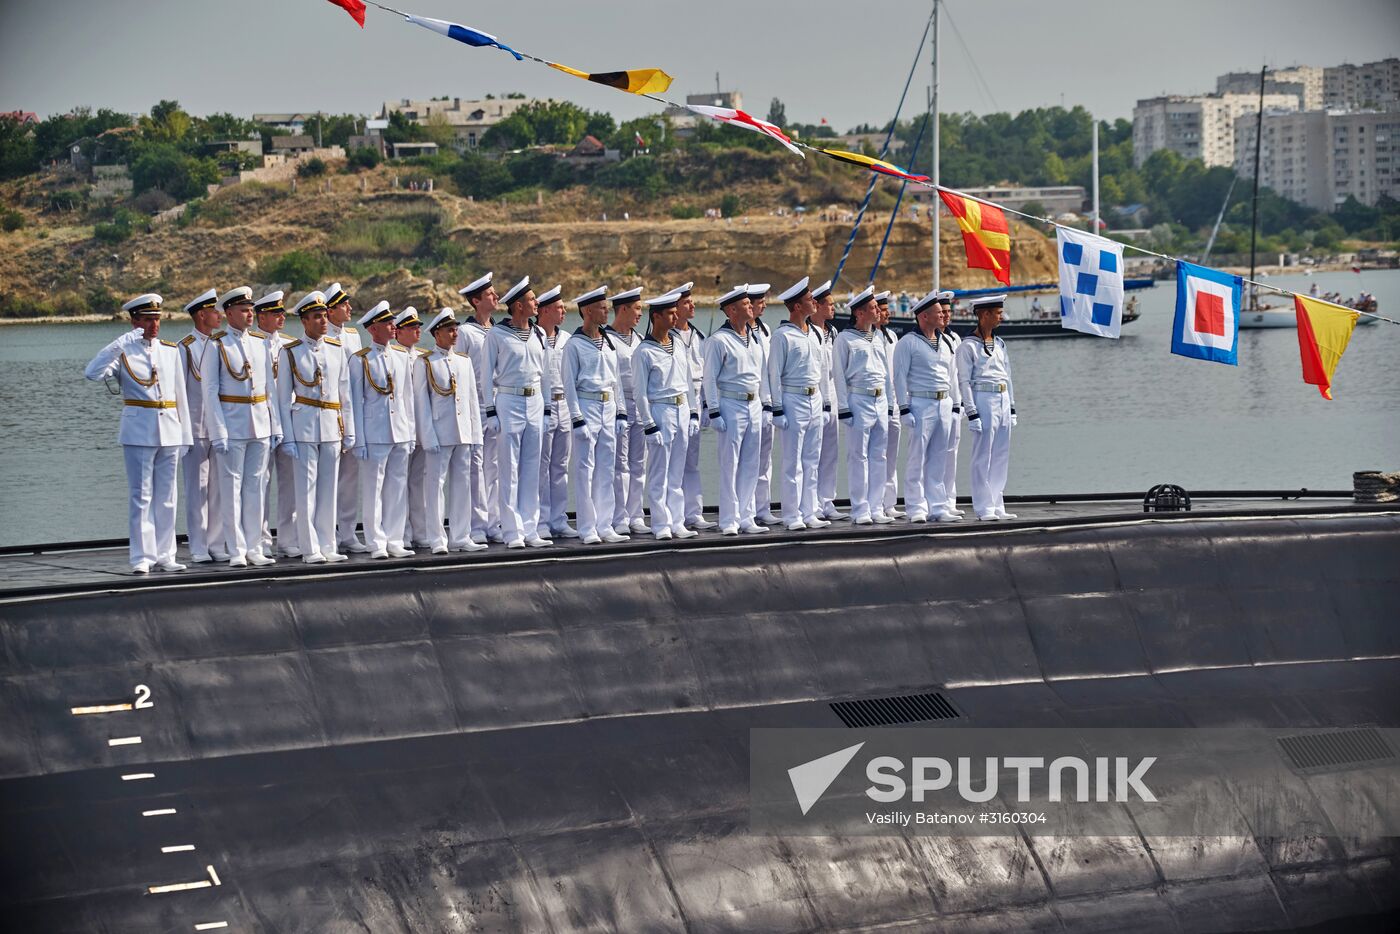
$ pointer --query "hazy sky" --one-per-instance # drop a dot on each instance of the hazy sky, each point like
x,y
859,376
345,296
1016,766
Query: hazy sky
x,y
845,60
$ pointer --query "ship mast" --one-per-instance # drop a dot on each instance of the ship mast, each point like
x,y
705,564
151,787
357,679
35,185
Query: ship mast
x,y
1254,213
935,203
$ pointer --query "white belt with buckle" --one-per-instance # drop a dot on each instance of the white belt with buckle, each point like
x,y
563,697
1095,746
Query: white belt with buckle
x,y
603,396
919,394
989,387
667,400
519,390
800,390
877,393
741,396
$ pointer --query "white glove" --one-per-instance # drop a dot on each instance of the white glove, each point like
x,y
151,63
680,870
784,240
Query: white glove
x,y
412,446
717,423
220,445
290,449
361,452
583,433
276,442
694,426
907,419
974,425
704,417
780,421
433,448
493,423
767,419
827,417
1013,421
348,445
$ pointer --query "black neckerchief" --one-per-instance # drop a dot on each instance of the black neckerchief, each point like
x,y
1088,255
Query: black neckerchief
x,y
747,335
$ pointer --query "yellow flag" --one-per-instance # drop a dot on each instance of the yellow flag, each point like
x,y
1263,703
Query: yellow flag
x,y
1324,330
636,81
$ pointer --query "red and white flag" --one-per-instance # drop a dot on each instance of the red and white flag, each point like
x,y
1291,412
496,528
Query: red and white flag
x,y
747,121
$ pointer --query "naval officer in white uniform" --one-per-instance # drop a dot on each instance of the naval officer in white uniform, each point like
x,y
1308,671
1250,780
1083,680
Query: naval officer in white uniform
x,y
738,394
381,397
823,310
665,405
518,402
796,372
408,333
763,336
269,321
471,340
313,394
203,516
630,473
989,397
592,391
244,426
339,310
554,445
449,426
691,341
926,390
862,396
155,428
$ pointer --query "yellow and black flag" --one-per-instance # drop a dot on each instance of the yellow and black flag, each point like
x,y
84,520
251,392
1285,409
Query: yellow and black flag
x,y
635,81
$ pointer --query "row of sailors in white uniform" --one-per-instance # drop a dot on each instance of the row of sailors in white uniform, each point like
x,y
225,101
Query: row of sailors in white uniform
x,y
491,455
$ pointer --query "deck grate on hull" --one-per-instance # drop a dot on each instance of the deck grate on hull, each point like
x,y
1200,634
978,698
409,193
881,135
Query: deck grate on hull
x,y
1336,749
888,711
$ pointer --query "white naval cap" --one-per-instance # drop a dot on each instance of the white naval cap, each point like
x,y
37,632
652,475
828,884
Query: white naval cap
x,y
946,296
631,295
927,302
334,295
474,287
883,297
379,313
516,291
444,317
551,296
588,298
272,301
986,301
733,295
311,301
143,304
240,294
683,290
205,300
822,291
758,289
407,318
795,290
663,302
861,297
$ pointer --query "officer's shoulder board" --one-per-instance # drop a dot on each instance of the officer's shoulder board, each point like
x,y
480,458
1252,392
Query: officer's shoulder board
x,y
364,352
458,353
330,340
258,334
349,330
169,344
296,342
400,348
425,353
189,339
217,335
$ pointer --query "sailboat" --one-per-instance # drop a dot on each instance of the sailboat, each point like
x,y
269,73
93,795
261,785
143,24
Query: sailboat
x,y
1255,315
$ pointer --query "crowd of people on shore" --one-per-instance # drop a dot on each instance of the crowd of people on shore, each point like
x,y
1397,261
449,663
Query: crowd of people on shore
x,y
445,434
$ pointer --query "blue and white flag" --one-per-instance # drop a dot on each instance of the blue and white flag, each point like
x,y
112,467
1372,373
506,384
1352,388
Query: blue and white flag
x,y
1207,324
1091,283
473,37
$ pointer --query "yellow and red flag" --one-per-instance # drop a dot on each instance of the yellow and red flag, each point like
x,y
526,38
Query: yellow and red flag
x,y
633,81
1324,330
873,164
986,237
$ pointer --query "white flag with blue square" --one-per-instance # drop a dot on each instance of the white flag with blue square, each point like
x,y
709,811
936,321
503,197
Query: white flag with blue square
x,y
1091,283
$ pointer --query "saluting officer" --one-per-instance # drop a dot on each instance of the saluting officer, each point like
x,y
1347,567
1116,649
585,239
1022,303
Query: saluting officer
x,y
203,519
449,426
518,394
763,336
984,375
738,395
795,375
665,405
926,387
313,391
471,340
244,426
823,310
347,487
593,391
862,395
270,318
631,468
554,445
950,469
155,428
886,339
408,331
691,341
381,398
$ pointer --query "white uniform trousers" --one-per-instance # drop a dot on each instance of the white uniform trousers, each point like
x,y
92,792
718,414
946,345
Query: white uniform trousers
x,y
317,480
950,468
666,466
203,519
416,530
347,494
384,494
867,438
629,477
763,484
449,491
891,494
554,474
522,428
926,464
285,518
150,476
243,494
827,466
991,451
694,494
738,460
486,519
595,453
801,442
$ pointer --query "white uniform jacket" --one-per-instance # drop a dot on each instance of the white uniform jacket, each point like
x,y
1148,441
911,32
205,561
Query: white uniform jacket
x,y
239,393
446,406
658,375
859,363
151,377
733,364
381,395
977,367
795,362
192,350
924,365
313,392
516,361
588,368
